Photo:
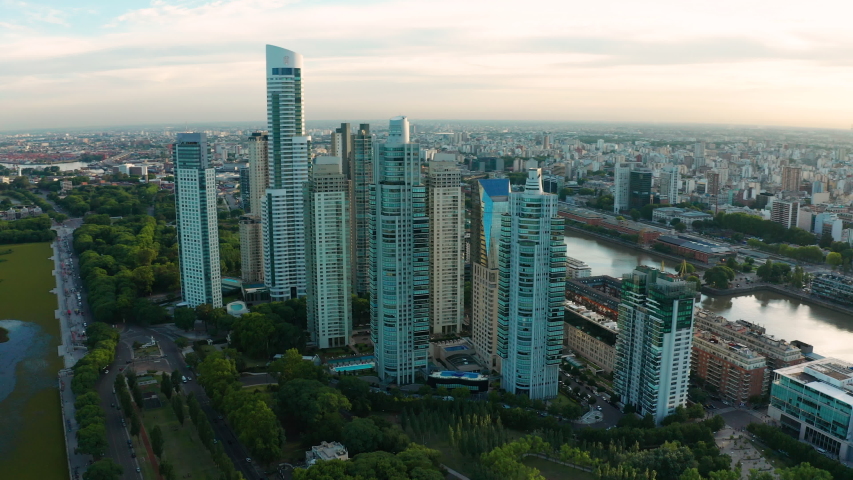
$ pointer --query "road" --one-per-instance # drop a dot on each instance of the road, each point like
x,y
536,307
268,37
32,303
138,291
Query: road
x,y
221,430
611,414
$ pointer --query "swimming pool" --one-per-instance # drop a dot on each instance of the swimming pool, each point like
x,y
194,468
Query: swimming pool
x,y
350,368
366,358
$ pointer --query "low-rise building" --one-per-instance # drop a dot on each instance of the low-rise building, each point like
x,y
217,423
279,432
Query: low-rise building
x,y
684,215
838,288
599,294
733,369
695,248
591,336
777,352
326,451
576,268
814,402
475,382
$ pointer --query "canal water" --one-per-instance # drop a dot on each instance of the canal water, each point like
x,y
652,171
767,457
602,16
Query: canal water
x,y
830,332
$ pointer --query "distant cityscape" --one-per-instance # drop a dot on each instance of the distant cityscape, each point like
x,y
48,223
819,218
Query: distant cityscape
x,y
439,247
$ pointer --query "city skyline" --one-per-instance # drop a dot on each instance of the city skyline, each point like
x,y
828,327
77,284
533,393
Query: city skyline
x,y
101,64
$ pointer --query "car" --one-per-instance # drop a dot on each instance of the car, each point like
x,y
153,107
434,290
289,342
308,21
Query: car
x,y
106,371
128,361
215,441
598,408
113,405
138,469
248,460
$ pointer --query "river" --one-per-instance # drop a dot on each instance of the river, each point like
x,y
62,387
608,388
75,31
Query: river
x,y
830,332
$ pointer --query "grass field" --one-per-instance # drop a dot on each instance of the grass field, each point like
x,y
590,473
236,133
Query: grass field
x,y
32,446
555,471
183,448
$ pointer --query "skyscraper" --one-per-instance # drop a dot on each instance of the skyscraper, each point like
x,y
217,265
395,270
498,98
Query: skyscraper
x,y
198,237
447,240
654,342
621,187
282,209
363,152
342,148
251,225
670,181
641,188
791,178
245,190
531,291
489,203
327,238
399,259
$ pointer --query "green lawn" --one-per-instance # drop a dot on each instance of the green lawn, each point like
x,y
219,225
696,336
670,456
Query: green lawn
x,y
555,471
183,449
33,447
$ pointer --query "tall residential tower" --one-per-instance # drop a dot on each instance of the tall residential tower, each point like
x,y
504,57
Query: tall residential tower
x,y
327,239
490,201
198,237
399,256
363,151
531,291
655,340
447,241
282,209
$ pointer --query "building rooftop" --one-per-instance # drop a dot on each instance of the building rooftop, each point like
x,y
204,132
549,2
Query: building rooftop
x,y
829,376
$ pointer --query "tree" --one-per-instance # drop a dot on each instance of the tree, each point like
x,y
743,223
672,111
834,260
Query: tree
x,y
357,392
157,441
309,403
725,475
178,407
104,469
88,398
176,380
679,227
757,475
719,276
92,439
251,334
834,259
292,366
166,385
460,393
185,318
804,471
135,426
635,214
255,423
690,474
182,342
361,435
167,470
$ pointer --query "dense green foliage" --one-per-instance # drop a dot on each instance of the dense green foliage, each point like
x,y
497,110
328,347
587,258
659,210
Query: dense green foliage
x,y
92,433
114,201
799,452
414,463
26,230
123,261
254,422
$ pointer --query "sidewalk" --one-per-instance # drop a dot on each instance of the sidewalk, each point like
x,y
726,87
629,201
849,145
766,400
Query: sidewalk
x,y
76,462
736,445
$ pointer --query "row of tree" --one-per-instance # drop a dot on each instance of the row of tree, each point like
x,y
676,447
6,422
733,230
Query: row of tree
x,y
799,452
26,230
252,419
91,419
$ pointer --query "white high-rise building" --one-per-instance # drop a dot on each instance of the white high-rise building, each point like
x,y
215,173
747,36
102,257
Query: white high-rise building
x,y
531,290
621,187
447,240
198,235
327,232
282,207
489,203
399,259
655,340
670,181
251,226
259,176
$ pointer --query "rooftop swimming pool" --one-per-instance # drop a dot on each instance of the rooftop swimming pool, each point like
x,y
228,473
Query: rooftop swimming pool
x,y
350,368
366,358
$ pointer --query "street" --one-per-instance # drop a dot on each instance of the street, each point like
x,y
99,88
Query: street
x,y
611,415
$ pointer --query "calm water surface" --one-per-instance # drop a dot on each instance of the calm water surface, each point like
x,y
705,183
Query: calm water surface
x,y
830,332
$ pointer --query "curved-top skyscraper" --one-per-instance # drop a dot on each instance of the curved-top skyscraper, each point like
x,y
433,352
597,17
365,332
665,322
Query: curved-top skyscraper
x,y
289,149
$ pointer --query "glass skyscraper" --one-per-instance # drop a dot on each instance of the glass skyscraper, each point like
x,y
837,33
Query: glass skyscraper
x,y
531,291
282,206
655,341
399,256
198,237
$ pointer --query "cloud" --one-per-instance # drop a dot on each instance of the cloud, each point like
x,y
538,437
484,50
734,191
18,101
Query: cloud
x,y
658,60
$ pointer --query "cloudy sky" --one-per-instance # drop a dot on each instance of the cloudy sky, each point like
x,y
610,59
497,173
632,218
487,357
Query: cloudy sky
x,y
118,62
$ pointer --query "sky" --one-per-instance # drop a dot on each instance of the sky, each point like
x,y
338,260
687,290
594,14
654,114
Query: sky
x,y
76,63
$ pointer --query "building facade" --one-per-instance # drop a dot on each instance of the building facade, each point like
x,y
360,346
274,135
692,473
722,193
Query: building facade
x,y
577,269
835,287
489,203
785,213
791,178
447,238
531,291
734,370
814,402
670,182
654,343
363,152
251,249
327,245
399,259
198,236
282,207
